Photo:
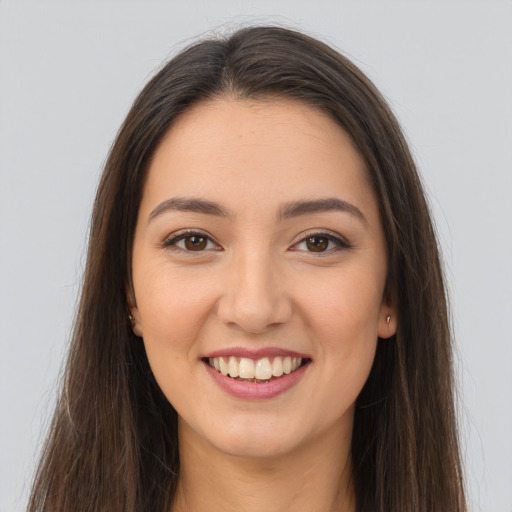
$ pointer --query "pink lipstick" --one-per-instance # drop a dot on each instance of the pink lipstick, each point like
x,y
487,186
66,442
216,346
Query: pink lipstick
x,y
256,373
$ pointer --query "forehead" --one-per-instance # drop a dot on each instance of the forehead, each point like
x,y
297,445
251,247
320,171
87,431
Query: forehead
x,y
247,151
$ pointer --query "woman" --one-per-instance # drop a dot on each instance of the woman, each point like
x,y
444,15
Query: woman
x,y
263,322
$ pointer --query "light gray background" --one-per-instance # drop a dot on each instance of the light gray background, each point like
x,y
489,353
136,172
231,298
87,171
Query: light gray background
x,y
68,74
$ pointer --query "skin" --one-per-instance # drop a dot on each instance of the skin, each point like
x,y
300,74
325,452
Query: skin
x,y
256,283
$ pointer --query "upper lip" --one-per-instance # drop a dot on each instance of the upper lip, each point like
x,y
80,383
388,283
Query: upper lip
x,y
255,353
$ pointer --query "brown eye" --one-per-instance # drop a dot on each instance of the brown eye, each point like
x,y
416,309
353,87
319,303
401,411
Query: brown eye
x,y
195,243
317,243
323,244
189,242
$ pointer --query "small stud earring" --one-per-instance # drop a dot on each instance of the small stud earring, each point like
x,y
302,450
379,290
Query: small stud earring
x,y
388,319
132,321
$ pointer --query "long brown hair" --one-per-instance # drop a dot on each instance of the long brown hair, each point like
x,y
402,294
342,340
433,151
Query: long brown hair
x,y
113,440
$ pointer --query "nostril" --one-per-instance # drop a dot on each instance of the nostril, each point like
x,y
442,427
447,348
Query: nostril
x,y
254,304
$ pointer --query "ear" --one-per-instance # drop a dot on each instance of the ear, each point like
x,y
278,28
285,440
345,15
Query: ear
x,y
134,314
388,321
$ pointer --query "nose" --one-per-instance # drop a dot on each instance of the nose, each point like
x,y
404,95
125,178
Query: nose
x,y
254,297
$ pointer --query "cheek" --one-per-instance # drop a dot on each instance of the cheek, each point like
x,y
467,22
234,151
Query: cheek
x,y
342,315
344,305
173,310
171,304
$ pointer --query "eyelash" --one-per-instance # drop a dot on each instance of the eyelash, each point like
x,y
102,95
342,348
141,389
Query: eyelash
x,y
171,243
339,243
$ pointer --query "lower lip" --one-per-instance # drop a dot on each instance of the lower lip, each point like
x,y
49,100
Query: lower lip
x,y
257,390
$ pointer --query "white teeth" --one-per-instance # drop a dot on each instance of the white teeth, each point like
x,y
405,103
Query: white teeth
x,y
246,369
277,367
261,369
233,366
224,368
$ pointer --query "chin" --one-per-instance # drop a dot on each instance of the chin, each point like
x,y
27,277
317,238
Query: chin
x,y
257,447
251,438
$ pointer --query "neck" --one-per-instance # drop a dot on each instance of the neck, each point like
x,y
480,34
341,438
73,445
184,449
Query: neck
x,y
314,478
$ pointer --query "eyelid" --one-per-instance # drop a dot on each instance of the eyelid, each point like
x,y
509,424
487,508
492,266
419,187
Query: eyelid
x,y
170,241
340,241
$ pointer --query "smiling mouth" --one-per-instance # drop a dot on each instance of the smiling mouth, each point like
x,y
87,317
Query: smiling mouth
x,y
261,370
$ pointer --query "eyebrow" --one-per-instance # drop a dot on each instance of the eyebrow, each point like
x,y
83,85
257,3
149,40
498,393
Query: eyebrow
x,y
185,204
288,211
329,204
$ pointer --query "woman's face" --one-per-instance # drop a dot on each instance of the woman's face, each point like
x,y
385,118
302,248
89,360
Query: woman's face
x,y
259,267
